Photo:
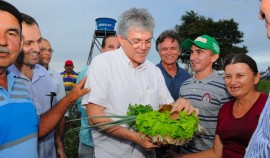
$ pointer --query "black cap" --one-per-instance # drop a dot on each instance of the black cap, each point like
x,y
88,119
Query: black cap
x,y
11,9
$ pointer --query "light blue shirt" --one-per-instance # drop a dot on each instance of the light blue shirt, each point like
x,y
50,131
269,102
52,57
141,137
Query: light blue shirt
x,y
58,85
40,87
85,133
259,145
19,121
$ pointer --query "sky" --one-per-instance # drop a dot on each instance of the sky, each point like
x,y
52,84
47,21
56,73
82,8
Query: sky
x,y
70,24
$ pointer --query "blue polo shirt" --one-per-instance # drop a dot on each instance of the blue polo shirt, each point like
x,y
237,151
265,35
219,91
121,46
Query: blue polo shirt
x,y
19,121
174,83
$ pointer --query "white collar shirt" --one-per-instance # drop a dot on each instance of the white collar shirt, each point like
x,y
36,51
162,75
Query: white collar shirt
x,y
114,85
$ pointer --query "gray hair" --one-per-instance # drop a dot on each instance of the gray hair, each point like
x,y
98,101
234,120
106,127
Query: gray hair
x,y
139,18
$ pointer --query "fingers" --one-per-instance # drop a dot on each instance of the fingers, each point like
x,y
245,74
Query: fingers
x,y
196,111
81,86
146,142
181,104
188,108
185,105
82,82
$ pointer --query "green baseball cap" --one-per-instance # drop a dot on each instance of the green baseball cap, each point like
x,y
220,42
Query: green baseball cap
x,y
204,42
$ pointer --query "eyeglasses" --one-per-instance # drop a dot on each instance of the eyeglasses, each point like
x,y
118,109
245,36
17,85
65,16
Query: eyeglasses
x,y
46,50
137,44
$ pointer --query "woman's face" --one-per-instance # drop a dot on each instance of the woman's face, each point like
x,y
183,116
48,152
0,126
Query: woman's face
x,y
240,79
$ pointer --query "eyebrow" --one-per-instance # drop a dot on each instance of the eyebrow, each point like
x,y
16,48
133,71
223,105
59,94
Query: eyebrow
x,y
14,29
141,39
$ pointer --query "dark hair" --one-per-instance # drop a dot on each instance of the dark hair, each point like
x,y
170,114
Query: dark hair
x,y
168,34
242,58
28,19
6,6
104,40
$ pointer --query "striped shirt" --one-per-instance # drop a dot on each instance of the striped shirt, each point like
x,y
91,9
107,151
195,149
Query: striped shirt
x,y
259,145
69,81
208,95
19,121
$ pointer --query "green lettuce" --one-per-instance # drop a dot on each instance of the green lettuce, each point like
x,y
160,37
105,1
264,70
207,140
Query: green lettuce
x,y
155,123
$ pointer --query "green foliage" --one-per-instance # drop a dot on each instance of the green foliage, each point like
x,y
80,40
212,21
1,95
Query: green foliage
x,y
224,31
134,110
264,86
155,123
71,139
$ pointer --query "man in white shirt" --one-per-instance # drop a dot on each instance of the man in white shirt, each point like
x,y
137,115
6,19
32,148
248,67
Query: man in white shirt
x,y
124,77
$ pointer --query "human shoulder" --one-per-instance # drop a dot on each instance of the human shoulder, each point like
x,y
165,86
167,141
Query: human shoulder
x,y
14,69
54,73
227,105
75,73
187,82
41,69
107,59
152,66
183,72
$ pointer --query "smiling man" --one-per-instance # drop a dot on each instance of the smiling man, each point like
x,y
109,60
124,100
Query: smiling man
x,y
124,77
36,78
20,124
168,45
205,90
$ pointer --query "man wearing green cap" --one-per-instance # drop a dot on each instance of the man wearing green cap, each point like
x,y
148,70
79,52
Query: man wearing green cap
x,y
205,90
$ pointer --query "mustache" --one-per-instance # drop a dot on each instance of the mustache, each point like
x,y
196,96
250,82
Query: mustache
x,y
4,50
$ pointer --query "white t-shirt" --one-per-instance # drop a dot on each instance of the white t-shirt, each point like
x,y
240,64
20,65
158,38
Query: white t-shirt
x,y
114,85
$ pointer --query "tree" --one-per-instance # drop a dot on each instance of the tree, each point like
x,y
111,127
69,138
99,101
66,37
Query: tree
x,y
224,31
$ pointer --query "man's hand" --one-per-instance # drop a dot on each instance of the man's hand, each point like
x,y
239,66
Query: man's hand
x,y
145,142
77,91
183,104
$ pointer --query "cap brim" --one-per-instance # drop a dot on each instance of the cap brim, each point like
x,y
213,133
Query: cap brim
x,y
187,43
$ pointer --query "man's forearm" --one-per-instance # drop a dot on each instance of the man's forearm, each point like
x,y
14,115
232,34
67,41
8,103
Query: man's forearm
x,y
50,119
123,133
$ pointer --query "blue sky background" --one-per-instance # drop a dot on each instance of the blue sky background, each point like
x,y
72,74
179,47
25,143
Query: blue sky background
x,y
69,25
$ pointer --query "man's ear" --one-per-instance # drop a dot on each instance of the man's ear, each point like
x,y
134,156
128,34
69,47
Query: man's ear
x,y
121,39
215,57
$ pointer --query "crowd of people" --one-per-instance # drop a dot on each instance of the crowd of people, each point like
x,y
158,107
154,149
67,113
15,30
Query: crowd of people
x,y
34,98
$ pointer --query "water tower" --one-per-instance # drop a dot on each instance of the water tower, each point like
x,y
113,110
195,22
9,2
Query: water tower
x,y
105,27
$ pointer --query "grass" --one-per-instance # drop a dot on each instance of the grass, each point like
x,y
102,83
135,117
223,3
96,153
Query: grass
x,y
71,139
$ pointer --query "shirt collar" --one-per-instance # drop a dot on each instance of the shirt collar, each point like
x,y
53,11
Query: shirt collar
x,y
18,74
140,67
163,69
205,80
